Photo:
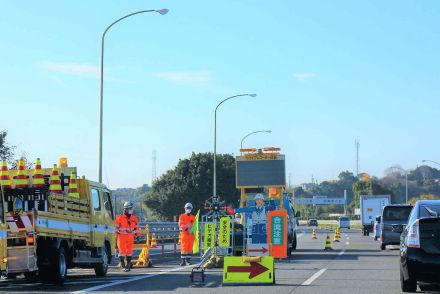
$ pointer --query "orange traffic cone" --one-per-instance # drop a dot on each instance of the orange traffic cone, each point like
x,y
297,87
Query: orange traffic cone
x,y
153,241
314,234
38,177
73,186
328,244
55,182
5,179
21,180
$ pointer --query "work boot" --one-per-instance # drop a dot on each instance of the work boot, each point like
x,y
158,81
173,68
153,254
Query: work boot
x,y
128,265
187,261
183,263
122,261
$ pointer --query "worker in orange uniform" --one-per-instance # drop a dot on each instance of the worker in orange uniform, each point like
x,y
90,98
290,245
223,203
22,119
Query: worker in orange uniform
x,y
126,230
186,221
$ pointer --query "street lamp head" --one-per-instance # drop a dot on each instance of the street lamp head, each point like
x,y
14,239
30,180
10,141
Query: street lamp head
x,y
268,131
424,160
162,11
253,95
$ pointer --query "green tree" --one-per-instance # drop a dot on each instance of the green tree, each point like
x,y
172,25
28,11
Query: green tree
x,y
423,197
6,150
191,181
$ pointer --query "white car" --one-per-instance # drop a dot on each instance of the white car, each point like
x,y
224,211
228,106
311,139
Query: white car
x,y
344,222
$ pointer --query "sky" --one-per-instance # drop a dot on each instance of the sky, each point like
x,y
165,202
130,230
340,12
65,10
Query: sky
x,y
326,73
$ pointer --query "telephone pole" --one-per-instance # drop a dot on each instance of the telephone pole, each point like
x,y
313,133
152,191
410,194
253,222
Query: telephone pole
x,y
357,145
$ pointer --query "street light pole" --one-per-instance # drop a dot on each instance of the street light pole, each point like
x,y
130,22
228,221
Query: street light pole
x,y
262,131
214,184
101,90
432,161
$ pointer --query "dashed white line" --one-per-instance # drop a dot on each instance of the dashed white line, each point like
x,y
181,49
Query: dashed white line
x,y
342,252
314,277
347,243
136,278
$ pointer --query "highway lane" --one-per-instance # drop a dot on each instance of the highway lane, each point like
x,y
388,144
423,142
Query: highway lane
x,y
355,265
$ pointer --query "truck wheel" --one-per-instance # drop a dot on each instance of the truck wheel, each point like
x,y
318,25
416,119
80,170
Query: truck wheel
x,y
409,285
56,271
294,243
102,268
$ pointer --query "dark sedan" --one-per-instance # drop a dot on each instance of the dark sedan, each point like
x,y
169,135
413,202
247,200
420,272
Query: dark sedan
x,y
420,247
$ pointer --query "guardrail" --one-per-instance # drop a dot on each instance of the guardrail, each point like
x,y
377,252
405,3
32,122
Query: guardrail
x,y
162,230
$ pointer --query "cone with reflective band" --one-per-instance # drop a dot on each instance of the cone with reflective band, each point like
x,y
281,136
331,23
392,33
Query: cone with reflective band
x,y
328,243
55,182
38,177
5,179
73,186
314,234
336,237
21,180
153,241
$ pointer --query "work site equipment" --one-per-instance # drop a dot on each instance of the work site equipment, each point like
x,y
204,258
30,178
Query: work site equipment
x,y
144,257
153,241
73,186
47,231
5,179
314,234
328,244
336,236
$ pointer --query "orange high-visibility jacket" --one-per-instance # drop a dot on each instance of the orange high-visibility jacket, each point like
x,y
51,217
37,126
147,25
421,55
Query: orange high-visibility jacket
x,y
186,222
125,229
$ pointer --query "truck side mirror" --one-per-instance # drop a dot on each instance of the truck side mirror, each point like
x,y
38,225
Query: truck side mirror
x,y
298,214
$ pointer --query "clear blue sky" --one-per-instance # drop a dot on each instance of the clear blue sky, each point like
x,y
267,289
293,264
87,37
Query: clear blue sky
x,y
326,73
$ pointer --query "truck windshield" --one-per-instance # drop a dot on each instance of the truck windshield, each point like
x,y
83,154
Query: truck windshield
x,y
344,219
395,213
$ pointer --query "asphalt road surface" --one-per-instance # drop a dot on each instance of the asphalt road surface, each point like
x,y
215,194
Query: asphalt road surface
x,y
355,265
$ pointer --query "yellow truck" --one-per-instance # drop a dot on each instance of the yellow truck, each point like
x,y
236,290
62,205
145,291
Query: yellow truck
x,y
43,233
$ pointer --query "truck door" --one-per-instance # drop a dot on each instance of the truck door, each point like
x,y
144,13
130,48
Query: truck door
x,y
98,218
3,236
109,217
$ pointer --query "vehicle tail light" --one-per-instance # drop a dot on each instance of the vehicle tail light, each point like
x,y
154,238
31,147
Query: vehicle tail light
x,y
413,238
375,227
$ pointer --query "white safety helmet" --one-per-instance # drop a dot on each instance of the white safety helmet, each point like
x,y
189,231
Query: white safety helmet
x,y
128,205
259,196
188,206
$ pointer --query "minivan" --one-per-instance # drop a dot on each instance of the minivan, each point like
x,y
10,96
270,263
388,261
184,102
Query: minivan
x,y
393,217
344,222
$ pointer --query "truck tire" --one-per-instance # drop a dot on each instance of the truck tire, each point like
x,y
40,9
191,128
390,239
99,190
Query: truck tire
x,y
294,242
102,268
56,271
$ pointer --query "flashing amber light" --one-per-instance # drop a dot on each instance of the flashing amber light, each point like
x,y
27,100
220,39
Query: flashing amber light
x,y
5,259
30,240
248,150
271,149
273,191
63,162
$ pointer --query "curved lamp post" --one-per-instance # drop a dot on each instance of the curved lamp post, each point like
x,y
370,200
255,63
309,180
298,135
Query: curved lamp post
x,y
432,161
160,11
262,131
214,186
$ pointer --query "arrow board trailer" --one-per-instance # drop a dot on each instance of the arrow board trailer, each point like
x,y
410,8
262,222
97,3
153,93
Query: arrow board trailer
x,y
50,232
371,207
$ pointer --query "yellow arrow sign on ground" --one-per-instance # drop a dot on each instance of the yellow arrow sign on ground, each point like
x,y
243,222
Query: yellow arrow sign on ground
x,y
237,271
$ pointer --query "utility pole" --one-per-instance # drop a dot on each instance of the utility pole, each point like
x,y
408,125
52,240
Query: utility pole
x,y
357,145
153,169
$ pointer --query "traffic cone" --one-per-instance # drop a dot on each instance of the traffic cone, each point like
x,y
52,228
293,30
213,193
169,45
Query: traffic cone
x,y
73,186
328,244
38,177
314,234
55,182
5,179
153,241
21,180
336,236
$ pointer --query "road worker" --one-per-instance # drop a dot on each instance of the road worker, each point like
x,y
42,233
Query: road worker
x,y
186,221
126,230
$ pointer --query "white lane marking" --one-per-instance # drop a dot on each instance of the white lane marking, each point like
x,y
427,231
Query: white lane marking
x,y
210,284
314,277
347,243
136,278
342,252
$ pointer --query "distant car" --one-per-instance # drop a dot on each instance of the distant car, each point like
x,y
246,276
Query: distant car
x,y
393,216
344,222
376,228
420,247
312,222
